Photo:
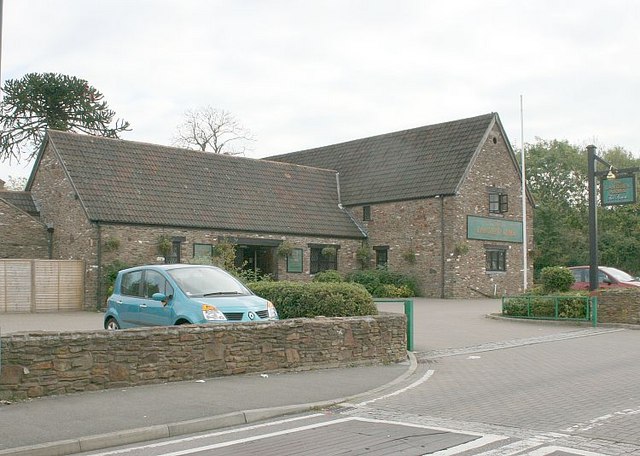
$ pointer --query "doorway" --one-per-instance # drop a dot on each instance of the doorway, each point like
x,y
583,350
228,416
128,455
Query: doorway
x,y
259,259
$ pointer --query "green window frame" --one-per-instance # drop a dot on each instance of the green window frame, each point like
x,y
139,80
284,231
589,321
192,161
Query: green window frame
x,y
202,250
294,261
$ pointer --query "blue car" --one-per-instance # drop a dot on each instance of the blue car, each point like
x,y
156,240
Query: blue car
x,y
177,294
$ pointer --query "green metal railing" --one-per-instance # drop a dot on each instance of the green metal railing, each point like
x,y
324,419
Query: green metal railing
x,y
561,308
408,311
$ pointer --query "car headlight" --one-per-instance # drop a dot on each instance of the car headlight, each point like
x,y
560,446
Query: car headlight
x,y
211,313
272,312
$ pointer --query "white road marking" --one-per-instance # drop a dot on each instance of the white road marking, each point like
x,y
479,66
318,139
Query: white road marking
x,y
522,445
418,382
205,436
552,449
482,441
602,420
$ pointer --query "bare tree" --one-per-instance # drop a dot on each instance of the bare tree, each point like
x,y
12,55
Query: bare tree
x,y
213,130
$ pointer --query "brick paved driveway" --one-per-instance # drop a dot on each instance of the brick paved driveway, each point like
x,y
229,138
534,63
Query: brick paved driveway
x,y
578,384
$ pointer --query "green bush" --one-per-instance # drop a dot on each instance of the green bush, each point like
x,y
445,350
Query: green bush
x,y
328,276
109,274
556,279
393,291
376,282
296,299
571,306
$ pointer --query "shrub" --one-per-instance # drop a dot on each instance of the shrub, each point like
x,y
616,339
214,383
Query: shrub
x,y
556,279
376,281
328,276
570,306
393,291
295,299
109,274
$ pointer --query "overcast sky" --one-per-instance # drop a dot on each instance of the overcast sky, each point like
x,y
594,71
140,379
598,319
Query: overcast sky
x,y
302,74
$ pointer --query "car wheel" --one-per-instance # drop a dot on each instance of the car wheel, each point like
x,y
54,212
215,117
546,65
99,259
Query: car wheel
x,y
111,324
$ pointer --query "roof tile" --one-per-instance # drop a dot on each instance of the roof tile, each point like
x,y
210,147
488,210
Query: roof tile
x,y
140,183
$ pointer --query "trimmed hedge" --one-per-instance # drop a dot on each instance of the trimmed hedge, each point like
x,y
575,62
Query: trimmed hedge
x,y
308,300
544,307
382,283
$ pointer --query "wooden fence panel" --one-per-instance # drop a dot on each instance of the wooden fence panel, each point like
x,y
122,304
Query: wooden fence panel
x,y
15,286
41,285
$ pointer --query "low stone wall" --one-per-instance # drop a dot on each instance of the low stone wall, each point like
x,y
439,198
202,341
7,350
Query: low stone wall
x,y
45,363
621,305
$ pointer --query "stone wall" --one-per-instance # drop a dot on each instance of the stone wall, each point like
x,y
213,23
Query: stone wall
x,y
620,305
41,364
21,235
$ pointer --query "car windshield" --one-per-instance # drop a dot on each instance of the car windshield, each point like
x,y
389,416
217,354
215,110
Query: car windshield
x,y
619,275
206,282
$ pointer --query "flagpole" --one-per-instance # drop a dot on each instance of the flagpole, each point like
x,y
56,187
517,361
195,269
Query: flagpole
x,y
525,244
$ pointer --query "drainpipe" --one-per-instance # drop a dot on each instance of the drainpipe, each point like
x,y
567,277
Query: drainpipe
x,y
442,245
99,277
50,240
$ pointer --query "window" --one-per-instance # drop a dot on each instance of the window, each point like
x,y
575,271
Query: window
x,y
498,203
496,260
294,261
366,213
176,247
323,258
130,285
154,282
382,256
202,250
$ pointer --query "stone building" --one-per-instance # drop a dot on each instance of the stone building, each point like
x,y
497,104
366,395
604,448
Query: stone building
x,y
442,203
22,233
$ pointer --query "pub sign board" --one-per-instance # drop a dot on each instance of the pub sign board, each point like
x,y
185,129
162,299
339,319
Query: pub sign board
x,y
621,190
493,229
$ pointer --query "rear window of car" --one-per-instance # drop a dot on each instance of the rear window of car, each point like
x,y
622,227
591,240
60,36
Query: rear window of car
x,y
130,284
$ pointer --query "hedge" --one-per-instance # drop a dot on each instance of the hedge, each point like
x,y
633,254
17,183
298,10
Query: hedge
x,y
295,299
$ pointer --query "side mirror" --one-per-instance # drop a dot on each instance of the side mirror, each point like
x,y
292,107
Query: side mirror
x,y
159,297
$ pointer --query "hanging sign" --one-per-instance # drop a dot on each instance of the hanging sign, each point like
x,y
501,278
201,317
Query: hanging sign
x,y
621,190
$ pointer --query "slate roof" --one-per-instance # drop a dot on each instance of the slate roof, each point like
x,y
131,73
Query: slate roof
x,y
21,200
411,164
139,183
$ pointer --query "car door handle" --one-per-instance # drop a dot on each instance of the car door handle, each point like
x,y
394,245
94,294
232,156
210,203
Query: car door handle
x,y
143,305
118,302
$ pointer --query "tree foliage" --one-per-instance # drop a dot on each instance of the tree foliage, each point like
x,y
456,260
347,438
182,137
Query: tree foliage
x,y
213,130
38,101
16,183
557,178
